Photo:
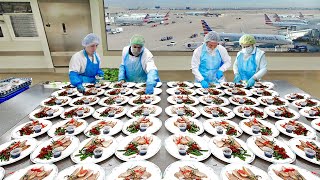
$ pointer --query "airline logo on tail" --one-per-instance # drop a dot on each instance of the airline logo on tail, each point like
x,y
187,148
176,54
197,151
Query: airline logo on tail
x,y
267,20
205,27
166,17
301,16
146,19
277,18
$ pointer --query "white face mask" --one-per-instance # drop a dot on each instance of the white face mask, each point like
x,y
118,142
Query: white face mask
x,y
247,50
136,51
210,51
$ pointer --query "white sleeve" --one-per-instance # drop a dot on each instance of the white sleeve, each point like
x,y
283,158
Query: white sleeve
x,y
225,58
74,64
235,65
262,68
195,63
124,52
148,61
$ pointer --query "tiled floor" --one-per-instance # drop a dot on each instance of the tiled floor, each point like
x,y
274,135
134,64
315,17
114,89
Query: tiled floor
x,y
308,81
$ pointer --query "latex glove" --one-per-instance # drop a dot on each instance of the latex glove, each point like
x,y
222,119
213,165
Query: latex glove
x,y
152,77
237,78
251,82
219,74
204,84
149,89
100,73
80,88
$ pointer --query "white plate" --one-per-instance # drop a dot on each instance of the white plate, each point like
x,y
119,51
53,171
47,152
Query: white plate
x,y
107,152
213,92
248,130
77,130
212,130
58,110
94,98
173,150
229,92
157,111
169,123
85,114
211,85
296,103
173,99
238,166
260,153
175,167
316,124
69,150
155,99
16,134
226,85
47,167
99,93
263,99
117,128
269,110
143,85
171,91
311,134
117,91
272,93
153,169
236,111
103,85
269,85
94,167
63,98
2,173
306,174
304,113
129,85
56,93
288,96
137,92
228,111
30,141
218,152
156,125
188,84
296,141
202,99
125,99
153,148
235,100
97,113
67,85
168,110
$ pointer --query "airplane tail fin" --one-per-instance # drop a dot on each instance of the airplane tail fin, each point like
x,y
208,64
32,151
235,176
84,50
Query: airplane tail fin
x,y
277,18
167,15
146,19
205,27
267,19
301,16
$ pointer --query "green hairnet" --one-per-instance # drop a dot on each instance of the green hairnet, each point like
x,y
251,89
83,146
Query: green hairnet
x,y
137,39
247,39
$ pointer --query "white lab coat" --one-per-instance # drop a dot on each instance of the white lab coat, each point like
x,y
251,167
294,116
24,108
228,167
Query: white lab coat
x,y
78,62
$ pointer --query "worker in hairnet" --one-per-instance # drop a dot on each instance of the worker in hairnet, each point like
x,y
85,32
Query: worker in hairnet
x,y
85,65
250,64
138,65
210,60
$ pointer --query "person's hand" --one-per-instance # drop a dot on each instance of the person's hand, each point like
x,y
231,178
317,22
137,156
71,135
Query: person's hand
x,y
219,74
251,82
149,89
80,88
237,78
204,84
122,81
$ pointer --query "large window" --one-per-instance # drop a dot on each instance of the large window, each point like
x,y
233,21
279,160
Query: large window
x,y
180,25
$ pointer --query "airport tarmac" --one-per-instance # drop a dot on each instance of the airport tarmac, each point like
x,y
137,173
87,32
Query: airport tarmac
x,y
231,21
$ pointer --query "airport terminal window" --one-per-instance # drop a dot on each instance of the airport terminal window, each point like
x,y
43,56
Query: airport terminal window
x,y
180,25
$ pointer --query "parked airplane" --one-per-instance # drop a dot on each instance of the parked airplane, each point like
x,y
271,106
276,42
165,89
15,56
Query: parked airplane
x,y
291,25
127,20
153,18
298,20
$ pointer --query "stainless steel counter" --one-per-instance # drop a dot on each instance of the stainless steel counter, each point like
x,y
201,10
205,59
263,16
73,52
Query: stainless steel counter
x,y
15,112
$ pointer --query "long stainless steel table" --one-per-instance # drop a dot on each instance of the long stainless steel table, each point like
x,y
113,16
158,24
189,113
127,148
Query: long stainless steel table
x,y
15,112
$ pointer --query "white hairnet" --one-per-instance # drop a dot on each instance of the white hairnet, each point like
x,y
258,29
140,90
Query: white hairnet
x,y
212,36
90,39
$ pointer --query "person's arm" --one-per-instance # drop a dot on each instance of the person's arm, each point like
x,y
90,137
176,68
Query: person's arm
x,y
74,71
122,71
225,58
235,66
262,68
100,72
150,68
195,63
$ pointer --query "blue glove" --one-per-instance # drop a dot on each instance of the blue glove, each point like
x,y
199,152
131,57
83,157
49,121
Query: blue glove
x,y
237,78
219,74
251,82
80,88
122,73
100,73
149,89
75,78
152,77
204,84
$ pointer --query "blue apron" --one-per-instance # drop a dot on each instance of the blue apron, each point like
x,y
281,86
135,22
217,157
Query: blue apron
x,y
209,65
247,68
91,69
134,70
